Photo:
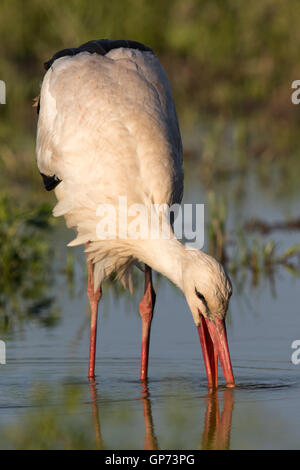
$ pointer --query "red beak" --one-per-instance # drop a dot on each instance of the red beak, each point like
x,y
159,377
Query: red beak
x,y
213,339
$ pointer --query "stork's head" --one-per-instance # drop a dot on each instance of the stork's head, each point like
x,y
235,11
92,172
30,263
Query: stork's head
x,y
208,289
206,285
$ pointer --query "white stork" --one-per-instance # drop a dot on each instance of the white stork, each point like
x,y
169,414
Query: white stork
x,y
107,127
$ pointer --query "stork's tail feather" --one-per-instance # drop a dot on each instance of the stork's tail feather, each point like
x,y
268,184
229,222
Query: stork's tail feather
x,y
62,207
80,240
104,268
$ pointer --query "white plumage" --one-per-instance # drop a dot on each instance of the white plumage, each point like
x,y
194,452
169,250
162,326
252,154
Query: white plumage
x,y
108,127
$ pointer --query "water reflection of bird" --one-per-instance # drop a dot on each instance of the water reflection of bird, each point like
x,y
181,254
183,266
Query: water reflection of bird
x,y
216,431
108,128
96,418
150,442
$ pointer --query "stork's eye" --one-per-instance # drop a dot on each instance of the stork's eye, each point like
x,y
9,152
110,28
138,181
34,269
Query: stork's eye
x,y
200,296
203,299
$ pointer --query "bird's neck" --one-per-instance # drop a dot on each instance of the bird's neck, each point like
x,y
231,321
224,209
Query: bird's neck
x,y
164,256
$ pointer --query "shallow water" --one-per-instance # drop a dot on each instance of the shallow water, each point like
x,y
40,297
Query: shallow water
x,y
174,410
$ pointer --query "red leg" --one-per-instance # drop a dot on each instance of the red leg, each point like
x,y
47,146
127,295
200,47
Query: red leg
x,y
94,298
146,307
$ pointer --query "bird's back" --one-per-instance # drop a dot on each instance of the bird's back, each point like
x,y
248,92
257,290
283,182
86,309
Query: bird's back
x,y
108,127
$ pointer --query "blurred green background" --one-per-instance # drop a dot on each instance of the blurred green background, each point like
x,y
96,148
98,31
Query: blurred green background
x,y
224,58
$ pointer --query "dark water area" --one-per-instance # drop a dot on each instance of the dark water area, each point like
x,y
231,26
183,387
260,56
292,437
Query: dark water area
x,y
44,379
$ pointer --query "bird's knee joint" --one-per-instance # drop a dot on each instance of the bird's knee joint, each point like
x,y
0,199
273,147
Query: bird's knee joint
x,y
146,309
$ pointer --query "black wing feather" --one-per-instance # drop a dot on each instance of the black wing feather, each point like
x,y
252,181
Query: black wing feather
x,y
99,46
50,182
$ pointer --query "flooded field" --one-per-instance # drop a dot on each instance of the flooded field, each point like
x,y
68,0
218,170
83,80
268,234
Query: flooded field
x,y
46,400
233,70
